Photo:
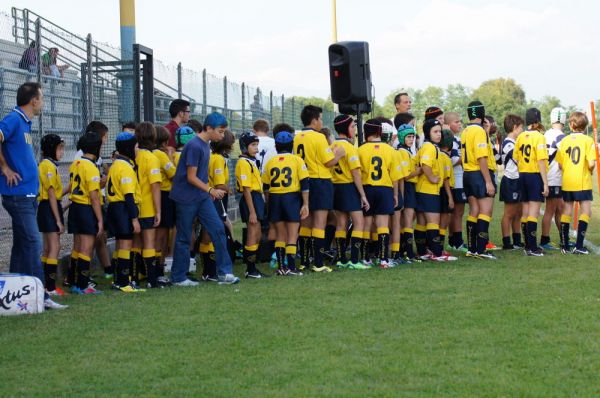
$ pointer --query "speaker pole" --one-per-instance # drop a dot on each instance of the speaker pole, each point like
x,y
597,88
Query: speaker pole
x,y
359,125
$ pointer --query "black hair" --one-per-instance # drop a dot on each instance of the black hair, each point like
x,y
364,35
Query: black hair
x,y
475,110
195,125
28,91
279,127
48,144
342,123
32,44
145,133
129,125
90,142
97,127
398,96
428,125
310,113
224,146
176,106
433,112
403,118
372,127
287,147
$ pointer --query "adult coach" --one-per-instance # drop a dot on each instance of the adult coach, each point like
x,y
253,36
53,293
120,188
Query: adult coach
x,y
180,114
19,183
403,103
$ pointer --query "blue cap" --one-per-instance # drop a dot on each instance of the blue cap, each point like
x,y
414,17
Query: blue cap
x,y
125,135
215,119
284,137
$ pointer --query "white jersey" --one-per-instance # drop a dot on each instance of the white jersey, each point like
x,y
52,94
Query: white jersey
x,y
458,169
553,139
266,150
511,170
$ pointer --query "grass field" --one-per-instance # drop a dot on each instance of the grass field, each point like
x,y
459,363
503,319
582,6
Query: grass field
x,y
514,327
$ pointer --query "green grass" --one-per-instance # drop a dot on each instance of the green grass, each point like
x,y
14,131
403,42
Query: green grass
x,y
515,327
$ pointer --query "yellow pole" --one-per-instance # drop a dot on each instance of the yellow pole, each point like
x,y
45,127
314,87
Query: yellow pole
x,y
333,21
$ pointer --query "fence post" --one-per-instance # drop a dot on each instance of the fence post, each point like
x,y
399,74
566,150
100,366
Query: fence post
x,y
25,28
203,93
90,73
271,105
38,48
282,108
243,106
179,81
225,108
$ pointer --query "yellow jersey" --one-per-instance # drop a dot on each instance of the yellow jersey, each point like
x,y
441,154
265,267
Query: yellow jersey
x,y
430,155
576,150
247,174
167,169
475,144
176,157
85,178
410,162
148,171
342,172
448,169
530,148
49,178
121,181
313,148
218,171
283,173
379,164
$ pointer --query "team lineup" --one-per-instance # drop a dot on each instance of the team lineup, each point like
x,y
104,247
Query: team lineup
x,y
392,200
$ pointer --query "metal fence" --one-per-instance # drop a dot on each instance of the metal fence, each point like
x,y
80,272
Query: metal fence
x,y
66,112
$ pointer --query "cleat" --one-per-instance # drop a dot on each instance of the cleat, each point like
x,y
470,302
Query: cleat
x,y
367,263
471,254
56,292
384,264
564,251
301,267
209,278
491,246
358,265
518,246
293,272
462,248
164,281
282,272
426,257
91,289
581,251
487,255
534,253
108,276
49,304
445,253
342,265
549,246
256,274
509,247
324,268
444,257
186,283
228,279
127,288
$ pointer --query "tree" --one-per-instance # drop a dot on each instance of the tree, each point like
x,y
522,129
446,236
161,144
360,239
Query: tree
x,y
501,97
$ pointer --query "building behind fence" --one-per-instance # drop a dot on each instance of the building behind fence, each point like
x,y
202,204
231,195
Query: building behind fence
x,y
101,92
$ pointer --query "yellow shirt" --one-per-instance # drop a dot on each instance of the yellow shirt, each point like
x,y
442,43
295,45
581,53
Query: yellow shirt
x,y
148,171
379,164
530,148
342,172
448,169
283,173
576,150
410,162
247,174
167,169
313,148
429,155
218,171
85,178
121,181
476,144
49,178
176,157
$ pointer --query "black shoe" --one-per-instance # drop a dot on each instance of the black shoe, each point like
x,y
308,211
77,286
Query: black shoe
x,y
256,274
509,247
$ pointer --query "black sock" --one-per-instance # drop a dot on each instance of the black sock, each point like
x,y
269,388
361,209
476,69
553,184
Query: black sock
x,y
329,236
133,270
150,266
421,242
516,239
318,250
160,266
564,232
544,240
383,244
363,249
355,244
83,272
303,243
250,258
50,274
524,233
122,271
581,230
280,254
340,245
433,241
482,234
506,242
531,235
472,235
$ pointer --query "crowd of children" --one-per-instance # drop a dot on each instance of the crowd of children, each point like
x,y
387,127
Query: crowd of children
x,y
391,200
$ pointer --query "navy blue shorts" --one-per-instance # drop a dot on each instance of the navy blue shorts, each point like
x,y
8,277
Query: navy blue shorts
x,y
45,219
459,195
531,187
554,192
410,195
428,203
259,207
510,191
475,184
119,224
577,196
82,220
346,197
320,196
167,210
444,206
381,200
285,207
146,222
222,206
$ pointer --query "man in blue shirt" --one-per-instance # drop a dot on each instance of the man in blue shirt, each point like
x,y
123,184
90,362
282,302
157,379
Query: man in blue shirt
x,y
19,183
194,198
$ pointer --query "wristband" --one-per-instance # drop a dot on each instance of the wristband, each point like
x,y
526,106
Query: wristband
x,y
210,189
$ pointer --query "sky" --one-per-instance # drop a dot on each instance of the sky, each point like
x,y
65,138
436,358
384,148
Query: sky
x,y
546,46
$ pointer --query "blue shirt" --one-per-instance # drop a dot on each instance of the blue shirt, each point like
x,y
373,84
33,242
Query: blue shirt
x,y
196,153
15,135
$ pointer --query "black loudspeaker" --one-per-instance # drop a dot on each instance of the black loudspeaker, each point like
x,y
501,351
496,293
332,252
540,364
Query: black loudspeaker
x,y
355,109
349,72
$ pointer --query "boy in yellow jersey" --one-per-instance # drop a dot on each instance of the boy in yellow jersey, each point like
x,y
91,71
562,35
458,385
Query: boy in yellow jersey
x,y
348,195
406,139
531,155
479,181
167,211
285,181
150,179
446,196
429,184
252,204
577,159
123,191
85,213
380,174
50,213
312,147
218,177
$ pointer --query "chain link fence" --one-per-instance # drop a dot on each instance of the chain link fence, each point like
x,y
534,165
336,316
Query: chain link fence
x,y
85,80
